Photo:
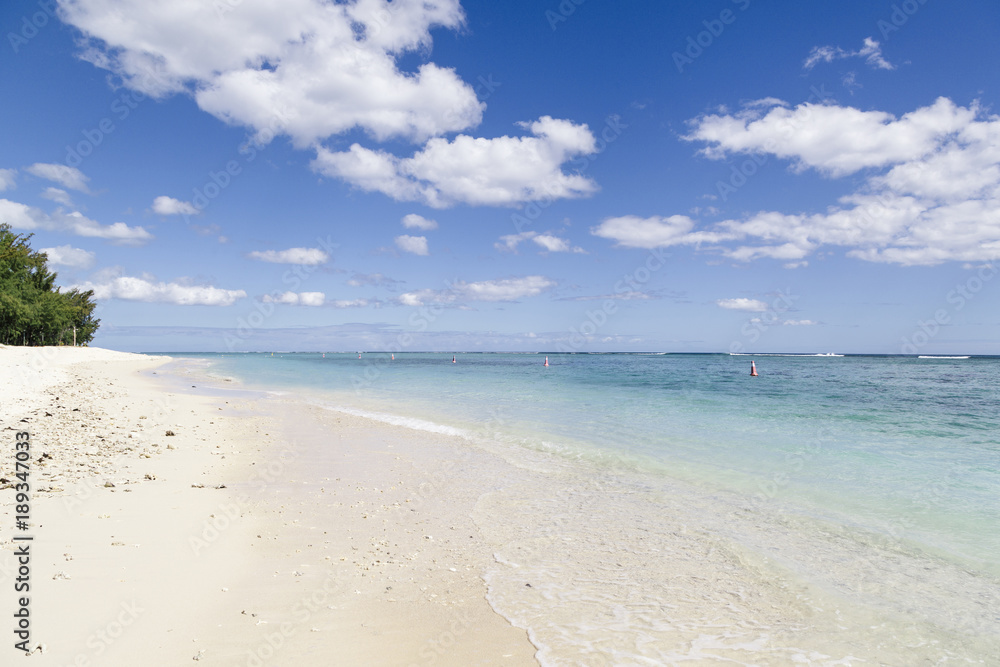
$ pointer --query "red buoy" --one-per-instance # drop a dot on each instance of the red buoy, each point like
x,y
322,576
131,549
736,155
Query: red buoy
x,y
453,359
753,369
546,361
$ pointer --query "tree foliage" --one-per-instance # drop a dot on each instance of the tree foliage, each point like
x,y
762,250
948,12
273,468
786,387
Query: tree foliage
x,y
33,311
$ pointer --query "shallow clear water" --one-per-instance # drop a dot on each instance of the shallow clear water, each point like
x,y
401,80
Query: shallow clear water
x,y
816,466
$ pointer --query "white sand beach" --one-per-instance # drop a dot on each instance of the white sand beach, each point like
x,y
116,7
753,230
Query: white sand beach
x,y
176,516
215,544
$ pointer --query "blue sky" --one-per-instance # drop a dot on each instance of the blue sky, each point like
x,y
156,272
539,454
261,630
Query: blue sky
x,y
584,175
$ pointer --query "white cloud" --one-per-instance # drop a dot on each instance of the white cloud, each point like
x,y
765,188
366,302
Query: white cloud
x,y
799,323
835,140
305,256
750,305
631,231
68,177
164,205
20,216
504,171
130,288
548,242
350,303
117,232
510,242
509,289
931,192
66,255
8,179
415,244
306,68
418,298
871,52
296,298
504,290
414,221
59,196
553,243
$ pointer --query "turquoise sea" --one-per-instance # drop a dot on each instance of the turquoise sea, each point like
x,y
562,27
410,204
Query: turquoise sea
x,y
868,485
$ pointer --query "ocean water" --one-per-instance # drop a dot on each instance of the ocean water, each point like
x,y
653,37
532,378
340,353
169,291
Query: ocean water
x,y
832,510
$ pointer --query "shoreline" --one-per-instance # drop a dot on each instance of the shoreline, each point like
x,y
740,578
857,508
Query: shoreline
x,y
281,529
218,543
605,564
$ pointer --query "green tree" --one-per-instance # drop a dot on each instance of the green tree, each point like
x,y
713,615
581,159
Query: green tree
x,y
33,311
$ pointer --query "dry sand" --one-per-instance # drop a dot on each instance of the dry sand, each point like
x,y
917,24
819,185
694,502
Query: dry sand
x,y
262,532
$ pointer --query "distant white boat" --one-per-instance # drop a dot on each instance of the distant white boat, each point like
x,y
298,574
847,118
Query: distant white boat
x,y
924,356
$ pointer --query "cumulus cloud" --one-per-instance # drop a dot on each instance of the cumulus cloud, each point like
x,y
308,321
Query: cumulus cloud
x,y
871,51
750,305
20,216
548,241
68,177
66,255
414,221
308,69
415,244
314,69
631,231
835,140
930,191
305,256
131,288
164,205
59,196
8,179
509,289
504,171
296,298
